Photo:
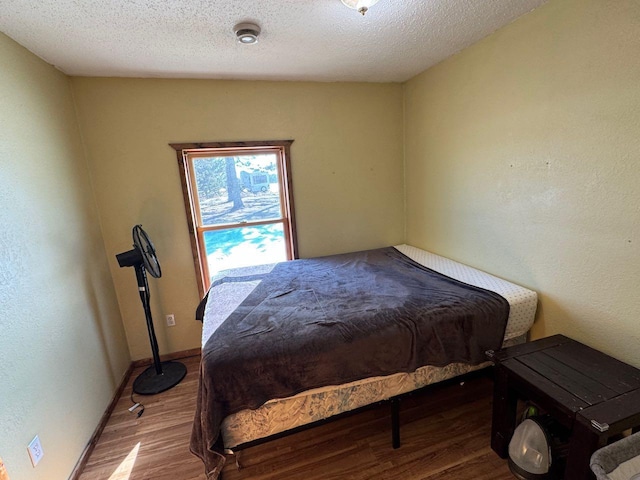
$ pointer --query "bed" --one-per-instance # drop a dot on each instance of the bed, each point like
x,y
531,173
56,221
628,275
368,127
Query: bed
x,y
232,297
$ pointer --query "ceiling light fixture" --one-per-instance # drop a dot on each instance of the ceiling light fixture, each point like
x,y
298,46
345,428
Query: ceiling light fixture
x,y
247,33
360,5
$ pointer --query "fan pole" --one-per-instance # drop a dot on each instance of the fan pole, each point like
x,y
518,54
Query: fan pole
x,y
143,288
160,376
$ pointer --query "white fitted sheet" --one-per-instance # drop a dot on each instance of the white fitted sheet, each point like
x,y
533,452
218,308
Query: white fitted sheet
x,y
522,301
283,414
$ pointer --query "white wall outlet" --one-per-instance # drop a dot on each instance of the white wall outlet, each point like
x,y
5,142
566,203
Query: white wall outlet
x,y
171,320
35,450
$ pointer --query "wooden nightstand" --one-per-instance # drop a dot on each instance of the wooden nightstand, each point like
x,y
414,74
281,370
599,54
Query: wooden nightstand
x,y
592,394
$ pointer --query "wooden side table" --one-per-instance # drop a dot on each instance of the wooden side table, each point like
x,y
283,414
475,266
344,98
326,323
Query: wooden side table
x,y
592,394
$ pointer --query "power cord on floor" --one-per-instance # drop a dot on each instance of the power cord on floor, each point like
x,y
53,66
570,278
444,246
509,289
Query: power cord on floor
x,y
136,405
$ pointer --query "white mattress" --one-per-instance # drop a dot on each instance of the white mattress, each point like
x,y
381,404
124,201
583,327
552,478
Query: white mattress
x,y
279,415
522,301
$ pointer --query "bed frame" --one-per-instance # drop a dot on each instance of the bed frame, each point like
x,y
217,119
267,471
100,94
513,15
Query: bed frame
x,y
393,403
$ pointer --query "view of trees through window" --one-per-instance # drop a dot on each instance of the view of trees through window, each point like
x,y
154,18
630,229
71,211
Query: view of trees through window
x,y
235,192
239,205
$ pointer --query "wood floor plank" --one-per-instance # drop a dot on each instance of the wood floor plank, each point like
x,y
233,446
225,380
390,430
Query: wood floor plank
x,y
445,435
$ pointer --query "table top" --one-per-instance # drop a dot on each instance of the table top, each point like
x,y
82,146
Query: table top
x,y
573,374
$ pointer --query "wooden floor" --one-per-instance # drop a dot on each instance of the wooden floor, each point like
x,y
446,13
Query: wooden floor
x,y
445,435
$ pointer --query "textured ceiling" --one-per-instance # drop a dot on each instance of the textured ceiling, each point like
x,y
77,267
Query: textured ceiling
x,y
301,39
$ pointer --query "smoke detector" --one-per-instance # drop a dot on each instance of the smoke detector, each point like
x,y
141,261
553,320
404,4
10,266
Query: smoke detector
x,y
247,33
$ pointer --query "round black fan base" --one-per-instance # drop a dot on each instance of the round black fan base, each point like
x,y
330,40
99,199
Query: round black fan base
x,y
150,383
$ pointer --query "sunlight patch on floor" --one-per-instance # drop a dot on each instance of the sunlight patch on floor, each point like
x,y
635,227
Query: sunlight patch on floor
x,y
123,472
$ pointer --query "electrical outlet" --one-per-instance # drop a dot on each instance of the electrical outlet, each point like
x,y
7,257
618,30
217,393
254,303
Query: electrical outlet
x,y
171,320
35,450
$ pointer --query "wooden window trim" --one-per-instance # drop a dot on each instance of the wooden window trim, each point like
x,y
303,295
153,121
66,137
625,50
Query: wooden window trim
x,y
183,150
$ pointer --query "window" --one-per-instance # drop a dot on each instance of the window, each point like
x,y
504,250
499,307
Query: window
x,y
239,204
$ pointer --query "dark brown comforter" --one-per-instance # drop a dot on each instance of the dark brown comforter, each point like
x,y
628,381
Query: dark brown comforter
x,y
334,320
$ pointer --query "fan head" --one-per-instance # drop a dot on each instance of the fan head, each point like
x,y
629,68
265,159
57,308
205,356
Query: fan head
x,y
143,243
143,253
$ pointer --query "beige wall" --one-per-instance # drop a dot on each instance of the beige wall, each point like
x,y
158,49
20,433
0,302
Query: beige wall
x,y
523,159
62,345
346,164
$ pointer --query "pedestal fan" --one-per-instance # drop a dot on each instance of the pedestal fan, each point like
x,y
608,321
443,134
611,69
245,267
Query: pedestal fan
x,y
160,376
